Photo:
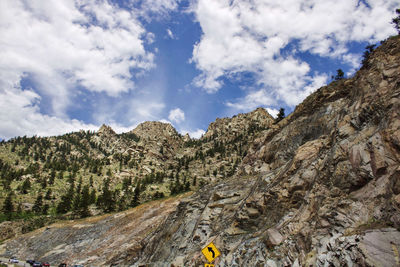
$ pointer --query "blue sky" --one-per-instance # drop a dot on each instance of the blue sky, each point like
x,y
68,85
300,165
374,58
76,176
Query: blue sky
x,y
70,65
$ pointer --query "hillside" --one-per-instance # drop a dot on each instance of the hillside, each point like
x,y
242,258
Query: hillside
x,y
319,188
88,173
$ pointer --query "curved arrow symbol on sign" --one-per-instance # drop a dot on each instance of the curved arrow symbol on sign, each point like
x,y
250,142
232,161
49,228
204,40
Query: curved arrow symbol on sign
x,y
212,251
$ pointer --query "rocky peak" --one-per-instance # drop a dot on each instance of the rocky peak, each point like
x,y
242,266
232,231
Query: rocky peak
x,y
155,130
106,130
186,137
242,123
260,113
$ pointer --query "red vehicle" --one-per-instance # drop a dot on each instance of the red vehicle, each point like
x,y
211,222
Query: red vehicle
x,y
46,264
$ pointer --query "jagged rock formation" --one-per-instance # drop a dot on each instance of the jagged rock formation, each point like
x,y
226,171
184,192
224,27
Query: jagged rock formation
x,y
320,188
326,195
227,129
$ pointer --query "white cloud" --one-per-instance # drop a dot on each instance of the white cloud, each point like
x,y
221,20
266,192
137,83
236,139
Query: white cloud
x,y
19,115
273,112
150,37
92,43
252,101
170,34
154,9
176,115
64,45
165,121
194,134
250,36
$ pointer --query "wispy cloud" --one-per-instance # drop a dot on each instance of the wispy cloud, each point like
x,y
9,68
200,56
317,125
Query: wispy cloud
x,y
176,115
194,134
170,34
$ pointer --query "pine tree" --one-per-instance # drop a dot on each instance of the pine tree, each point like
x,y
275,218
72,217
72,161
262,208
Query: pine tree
x,y
52,177
48,194
106,200
368,51
66,201
37,208
93,196
77,199
281,115
84,202
26,185
339,74
45,209
396,21
8,206
187,186
43,182
136,194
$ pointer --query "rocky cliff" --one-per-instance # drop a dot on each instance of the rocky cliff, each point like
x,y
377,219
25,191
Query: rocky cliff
x,y
320,188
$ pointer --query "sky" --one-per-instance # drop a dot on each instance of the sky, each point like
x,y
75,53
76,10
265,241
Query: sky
x,y
67,65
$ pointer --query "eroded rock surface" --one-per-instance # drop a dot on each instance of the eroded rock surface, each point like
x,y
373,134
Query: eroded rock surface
x,y
94,241
321,189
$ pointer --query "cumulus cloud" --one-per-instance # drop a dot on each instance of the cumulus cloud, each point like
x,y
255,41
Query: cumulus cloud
x,y
251,36
64,45
93,44
154,9
20,115
194,134
176,115
273,112
252,100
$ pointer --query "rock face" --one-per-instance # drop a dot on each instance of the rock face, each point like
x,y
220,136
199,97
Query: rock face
x,y
106,130
229,128
320,188
99,240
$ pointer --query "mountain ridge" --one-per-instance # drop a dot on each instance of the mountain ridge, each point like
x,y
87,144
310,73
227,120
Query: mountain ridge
x,y
320,187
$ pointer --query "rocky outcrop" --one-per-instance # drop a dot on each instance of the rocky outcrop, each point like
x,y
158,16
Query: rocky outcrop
x,y
322,188
228,129
106,130
154,130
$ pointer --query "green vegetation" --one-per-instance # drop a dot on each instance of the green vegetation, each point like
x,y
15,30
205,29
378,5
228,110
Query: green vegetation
x,y
339,75
368,51
8,206
83,173
396,21
281,115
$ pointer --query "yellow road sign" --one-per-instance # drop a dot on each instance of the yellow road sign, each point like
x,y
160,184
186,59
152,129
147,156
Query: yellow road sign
x,y
208,265
210,252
